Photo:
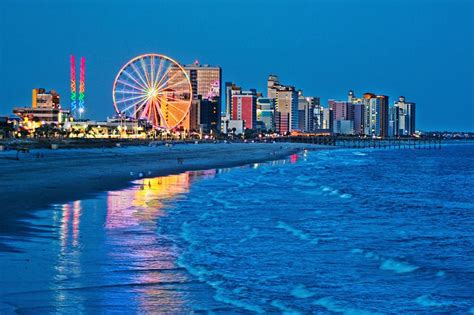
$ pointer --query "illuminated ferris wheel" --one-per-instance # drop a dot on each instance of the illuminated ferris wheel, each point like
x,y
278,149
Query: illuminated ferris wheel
x,y
153,87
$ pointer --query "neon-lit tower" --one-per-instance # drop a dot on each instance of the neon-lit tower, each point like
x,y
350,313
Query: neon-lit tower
x,y
73,86
82,86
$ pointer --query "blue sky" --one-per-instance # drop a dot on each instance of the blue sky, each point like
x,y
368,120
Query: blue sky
x,y
417,48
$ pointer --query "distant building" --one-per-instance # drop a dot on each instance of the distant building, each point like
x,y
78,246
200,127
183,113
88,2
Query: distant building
x,y
344,127
266,112
342,116
45,107
376,115
326,118
286,105
244,107
359,111
209,115
403,117
306,112
206,82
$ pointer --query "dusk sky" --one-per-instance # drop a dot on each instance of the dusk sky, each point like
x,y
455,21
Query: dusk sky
x,y
420,49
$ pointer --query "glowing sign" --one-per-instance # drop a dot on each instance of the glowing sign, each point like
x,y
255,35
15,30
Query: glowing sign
x,y
73,85
82,85
213,90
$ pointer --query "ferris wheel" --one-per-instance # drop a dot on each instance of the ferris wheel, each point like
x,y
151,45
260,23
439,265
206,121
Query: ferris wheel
x,y
155,88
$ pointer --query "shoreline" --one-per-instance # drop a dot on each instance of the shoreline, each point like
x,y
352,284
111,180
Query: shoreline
x,y
43,178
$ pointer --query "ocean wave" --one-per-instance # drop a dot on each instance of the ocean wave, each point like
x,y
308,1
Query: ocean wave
x,y
427,301
388,264
397,266
334,192
283,308
359,153
329,304
296,232
221,297
301,292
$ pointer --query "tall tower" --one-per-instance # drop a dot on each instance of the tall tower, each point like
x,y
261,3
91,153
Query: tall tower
x,y
73,86
82,86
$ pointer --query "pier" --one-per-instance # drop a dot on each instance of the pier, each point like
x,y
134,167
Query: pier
x,y
367,143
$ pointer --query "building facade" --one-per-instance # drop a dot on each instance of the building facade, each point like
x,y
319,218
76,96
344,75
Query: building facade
x,y
403,117
45,108
244,107
266,112
286,105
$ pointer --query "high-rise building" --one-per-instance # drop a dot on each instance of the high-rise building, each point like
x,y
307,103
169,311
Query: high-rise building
x,y
244,107
403,117
272,83
307,119
286,105
376,115
343,116
209,115
266,112
327,118
358,109
206,82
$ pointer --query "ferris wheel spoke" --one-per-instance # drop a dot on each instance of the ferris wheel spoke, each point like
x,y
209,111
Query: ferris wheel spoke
x,y
163,76
157,75
178,83
137,71
164,84
130,92
126,109
139,108
146,110
130,99
134,79
135,87
145,71
152,71
160,113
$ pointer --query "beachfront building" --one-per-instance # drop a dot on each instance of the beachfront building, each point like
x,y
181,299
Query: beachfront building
x,y
266,113
45,109
403,117
206,82
342,116
306,112
244,107
358,109
376,115
209,115
286,105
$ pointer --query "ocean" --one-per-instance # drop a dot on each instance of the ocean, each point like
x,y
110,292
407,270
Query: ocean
x,y
331,231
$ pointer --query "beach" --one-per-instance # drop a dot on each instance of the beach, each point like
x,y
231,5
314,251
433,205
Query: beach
x,y
44,177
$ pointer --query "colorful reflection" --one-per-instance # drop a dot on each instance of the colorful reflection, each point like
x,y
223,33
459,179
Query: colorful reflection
x,y
131,226
144,201
70,220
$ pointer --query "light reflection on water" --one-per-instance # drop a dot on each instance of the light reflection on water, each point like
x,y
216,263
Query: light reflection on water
x,y
106,252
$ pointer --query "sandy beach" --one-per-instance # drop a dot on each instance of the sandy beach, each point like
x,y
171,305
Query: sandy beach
x,y
44,177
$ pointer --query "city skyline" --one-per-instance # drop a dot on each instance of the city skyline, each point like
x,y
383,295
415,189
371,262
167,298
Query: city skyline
x,y
328,73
